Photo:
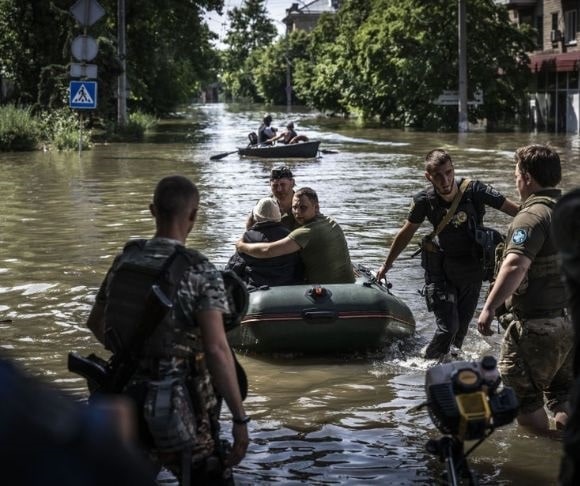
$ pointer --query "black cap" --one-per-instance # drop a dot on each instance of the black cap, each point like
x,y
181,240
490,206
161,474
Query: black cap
x,y
281,172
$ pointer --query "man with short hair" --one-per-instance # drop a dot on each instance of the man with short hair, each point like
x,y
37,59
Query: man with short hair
x,y
453,270
319,239
266,131
289,136
282,186
187,353
530,296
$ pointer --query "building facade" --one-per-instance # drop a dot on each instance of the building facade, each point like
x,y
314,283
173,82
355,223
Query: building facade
x,y
554,103
304,16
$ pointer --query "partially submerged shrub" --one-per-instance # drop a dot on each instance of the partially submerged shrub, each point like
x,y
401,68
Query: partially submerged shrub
x,y
18,129
138,124
61,130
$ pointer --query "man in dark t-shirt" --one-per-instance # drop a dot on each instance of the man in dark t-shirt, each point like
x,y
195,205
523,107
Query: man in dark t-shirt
x,y
453,274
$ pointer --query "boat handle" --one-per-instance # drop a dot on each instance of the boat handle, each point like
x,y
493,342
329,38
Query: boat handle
x,y
319,315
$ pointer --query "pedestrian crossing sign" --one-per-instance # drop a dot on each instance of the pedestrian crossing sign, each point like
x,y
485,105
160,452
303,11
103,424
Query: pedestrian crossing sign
x,y
83,95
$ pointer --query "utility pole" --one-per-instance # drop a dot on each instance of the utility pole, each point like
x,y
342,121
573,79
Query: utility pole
x,y
463,125
122,53
288,70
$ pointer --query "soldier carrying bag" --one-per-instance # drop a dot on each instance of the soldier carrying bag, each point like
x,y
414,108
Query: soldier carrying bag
x,y
432,255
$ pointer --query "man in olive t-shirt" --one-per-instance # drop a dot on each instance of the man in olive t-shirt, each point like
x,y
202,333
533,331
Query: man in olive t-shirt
x,y
319,239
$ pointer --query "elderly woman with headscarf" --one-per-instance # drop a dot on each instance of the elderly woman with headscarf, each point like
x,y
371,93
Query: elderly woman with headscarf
x,y
280,270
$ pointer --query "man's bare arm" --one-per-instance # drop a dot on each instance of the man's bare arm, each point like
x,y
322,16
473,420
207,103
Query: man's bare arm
x,y
402,239
510,276
509,207
285,246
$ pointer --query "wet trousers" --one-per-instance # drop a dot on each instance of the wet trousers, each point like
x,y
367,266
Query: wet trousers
x,y
454,307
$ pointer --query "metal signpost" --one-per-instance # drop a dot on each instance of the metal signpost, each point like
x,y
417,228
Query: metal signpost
x,y
83,93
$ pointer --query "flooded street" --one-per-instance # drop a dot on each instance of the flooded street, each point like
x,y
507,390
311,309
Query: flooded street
x,y
315,420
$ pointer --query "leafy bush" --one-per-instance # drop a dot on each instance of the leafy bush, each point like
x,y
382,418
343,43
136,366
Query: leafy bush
x,y
60,129
138,124
18,129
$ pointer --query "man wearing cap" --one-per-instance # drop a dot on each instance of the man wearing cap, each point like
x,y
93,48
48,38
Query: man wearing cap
x,y
266,132
280,270
319,239
282,185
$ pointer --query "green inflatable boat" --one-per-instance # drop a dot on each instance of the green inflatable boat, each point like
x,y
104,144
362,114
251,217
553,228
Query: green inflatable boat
x,y
322,319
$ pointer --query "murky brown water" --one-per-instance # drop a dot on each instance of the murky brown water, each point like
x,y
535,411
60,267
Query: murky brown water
x,y
316,421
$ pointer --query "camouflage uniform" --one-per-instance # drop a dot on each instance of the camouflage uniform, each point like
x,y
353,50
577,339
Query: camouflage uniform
x,y
201,289
536,352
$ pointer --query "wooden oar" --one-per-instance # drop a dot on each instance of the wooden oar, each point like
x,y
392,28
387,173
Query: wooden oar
x,y
221,156
328,151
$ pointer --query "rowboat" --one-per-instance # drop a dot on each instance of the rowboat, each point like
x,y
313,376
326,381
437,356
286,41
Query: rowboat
x,y
293,150
323,319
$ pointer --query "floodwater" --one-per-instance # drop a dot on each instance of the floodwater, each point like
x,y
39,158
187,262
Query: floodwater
x,y
315,421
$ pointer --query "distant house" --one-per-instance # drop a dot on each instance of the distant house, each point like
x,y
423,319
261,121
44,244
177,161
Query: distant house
x,y
554,102
305,16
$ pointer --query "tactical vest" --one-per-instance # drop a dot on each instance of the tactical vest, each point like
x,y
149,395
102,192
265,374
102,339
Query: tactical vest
x,y
457,241
545,268
542,266
545,265
131,283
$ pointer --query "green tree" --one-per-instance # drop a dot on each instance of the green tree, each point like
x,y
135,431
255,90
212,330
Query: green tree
x,y
33,35
169,51
251,31
389,59
270,71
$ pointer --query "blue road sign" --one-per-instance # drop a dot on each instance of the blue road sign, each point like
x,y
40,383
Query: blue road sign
x,y
83,95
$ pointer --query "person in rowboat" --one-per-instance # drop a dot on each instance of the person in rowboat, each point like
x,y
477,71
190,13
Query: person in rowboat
x,y
319,239
289,136
266,130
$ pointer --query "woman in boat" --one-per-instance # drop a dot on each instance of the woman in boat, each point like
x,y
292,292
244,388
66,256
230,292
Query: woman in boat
x,y
279,270
319,240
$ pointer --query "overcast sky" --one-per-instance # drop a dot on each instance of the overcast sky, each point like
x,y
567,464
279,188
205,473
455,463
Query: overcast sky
x,y
276,10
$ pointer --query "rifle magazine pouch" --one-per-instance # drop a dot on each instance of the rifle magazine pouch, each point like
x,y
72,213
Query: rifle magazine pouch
x,y
169,414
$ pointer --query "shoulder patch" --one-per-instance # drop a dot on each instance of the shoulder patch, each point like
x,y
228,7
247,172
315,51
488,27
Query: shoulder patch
x,y
492,191
519,236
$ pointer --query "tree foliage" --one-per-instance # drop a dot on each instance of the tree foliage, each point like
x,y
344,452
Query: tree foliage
x,y
271,68
251,32
389,59
169,52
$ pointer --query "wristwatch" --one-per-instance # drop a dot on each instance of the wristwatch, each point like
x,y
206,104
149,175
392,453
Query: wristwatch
x,y
241,421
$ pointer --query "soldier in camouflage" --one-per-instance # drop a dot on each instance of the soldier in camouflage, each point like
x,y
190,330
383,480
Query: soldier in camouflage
x,y
187,358
536,352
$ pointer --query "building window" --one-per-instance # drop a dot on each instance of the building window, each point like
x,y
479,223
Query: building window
x,y
540,28
555,21
571,18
